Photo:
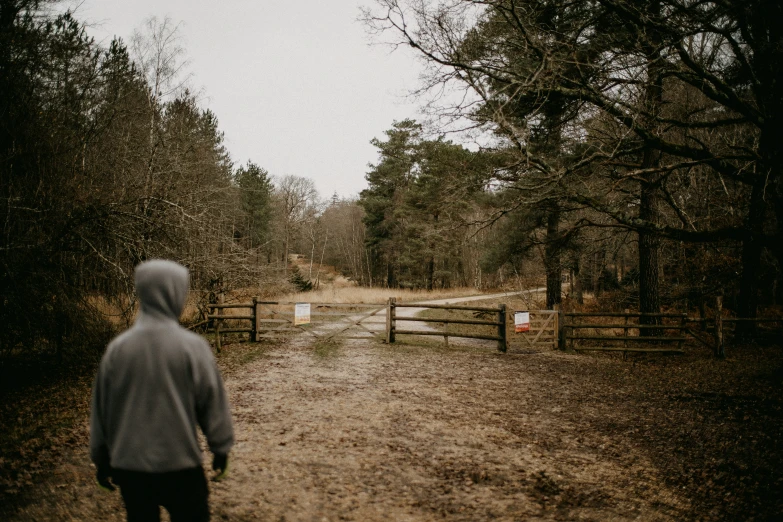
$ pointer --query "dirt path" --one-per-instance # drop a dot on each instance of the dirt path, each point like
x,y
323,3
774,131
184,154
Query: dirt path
x,y
370,432
376,433
367,431
484,297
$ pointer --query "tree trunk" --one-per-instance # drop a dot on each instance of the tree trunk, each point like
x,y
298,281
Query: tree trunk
x,y
649,248
312,255
777,250
649,243
552,263
391,276
285,253
369,267
748,299
571,283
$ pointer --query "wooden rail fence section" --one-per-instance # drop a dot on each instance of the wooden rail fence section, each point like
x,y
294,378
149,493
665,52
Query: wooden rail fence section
x,y
499,324
719,327
544,329
584,331
569,331
269,319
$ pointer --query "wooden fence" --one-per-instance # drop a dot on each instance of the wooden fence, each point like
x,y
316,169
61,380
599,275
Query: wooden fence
x,y
666,332
719,327
583,331
216,318
543,330
499,325
571,331
270,319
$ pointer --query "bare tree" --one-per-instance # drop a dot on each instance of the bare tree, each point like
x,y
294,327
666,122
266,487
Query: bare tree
x,y
297,201
160,56
628,70
346,249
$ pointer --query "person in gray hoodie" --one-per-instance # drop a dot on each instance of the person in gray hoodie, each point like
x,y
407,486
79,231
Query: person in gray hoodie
x,y
156,382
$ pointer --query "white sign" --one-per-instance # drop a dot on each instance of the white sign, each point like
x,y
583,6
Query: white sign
x,y
521,322
302,313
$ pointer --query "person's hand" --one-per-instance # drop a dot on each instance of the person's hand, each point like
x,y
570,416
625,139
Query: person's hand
x,y
220,464
103,467
102,478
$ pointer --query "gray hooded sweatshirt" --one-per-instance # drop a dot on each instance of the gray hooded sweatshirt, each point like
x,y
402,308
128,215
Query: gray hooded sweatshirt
x,y
156,382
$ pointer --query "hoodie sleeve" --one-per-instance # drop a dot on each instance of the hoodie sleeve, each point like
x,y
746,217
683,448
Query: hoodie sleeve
x,y
212,409
99,449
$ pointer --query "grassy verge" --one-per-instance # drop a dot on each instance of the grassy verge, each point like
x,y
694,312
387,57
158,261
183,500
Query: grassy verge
x,y
44,413
356,294
41,418
326,349
237,352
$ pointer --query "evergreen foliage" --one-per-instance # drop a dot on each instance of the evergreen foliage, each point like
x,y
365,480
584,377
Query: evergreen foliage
x,y
299,281
257,189
101,168
416,205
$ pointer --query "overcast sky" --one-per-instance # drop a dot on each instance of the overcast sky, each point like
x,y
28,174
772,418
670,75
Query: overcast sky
x,y
295,85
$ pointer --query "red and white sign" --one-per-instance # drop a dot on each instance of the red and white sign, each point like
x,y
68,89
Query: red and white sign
x,y
521,322
301,313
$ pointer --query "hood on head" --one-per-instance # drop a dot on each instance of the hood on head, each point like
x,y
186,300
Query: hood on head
x,y
162,287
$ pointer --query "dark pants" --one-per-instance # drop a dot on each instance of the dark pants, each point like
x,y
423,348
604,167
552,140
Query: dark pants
x,y
183,493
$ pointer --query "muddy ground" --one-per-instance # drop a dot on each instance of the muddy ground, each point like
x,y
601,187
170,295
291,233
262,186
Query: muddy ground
x,y
367,431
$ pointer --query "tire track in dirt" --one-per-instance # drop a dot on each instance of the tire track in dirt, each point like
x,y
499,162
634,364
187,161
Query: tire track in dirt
x,y
366,431
369,432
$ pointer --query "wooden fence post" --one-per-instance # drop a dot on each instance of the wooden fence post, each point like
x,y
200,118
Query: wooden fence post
x,y
254,327
503,342
720,349
625,331
561,338
218,311
390,323
683,329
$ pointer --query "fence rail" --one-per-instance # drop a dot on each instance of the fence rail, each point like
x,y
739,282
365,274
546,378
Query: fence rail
x,y
644,324
217,317
269,319
577,331
500,323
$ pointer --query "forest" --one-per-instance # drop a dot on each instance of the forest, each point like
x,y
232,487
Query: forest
x,y
625,147
619,157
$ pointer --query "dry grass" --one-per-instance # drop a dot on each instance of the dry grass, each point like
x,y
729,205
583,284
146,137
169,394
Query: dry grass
x,y
331,294
357,294
116,313
340,290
